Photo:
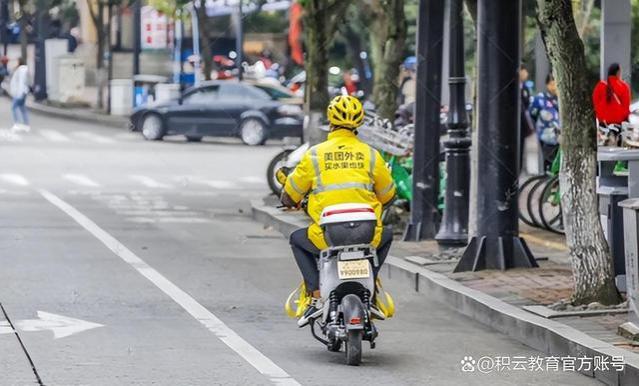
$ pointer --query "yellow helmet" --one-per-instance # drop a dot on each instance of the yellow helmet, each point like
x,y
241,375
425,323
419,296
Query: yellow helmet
x,y
345,111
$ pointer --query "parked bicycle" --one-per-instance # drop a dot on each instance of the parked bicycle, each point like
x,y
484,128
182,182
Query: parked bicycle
x,y
540,200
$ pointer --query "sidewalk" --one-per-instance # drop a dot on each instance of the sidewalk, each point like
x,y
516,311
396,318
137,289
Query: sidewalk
x,y
512,302
84,113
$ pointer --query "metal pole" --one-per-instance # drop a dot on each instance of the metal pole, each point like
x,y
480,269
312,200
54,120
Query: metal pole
x,y
137,35
424,214
497,244
239,41
40,74
196,44
109,53
454,226
4,20
177,52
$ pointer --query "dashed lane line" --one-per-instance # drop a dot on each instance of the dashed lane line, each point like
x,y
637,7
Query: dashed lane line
x,y
89,136
81,179
9,135
253,180
15,179
216,184
53,135
149,182
229,337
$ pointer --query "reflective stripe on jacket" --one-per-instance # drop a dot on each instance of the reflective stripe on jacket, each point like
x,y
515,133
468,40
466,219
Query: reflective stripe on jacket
x,y
341,170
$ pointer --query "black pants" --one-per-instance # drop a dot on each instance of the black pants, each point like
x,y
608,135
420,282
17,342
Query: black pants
x,y
306,255
549,152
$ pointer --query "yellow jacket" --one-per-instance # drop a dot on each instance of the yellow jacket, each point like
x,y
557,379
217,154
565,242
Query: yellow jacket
x,y
338,171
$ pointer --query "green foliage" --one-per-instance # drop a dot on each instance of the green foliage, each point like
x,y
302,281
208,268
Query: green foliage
x,y
411,8
269,22
168,7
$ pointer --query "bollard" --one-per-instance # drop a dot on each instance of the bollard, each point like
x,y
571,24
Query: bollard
x,y
631,238
611,217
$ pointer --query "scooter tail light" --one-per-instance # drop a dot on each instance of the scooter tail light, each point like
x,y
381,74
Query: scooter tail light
x,y
356,320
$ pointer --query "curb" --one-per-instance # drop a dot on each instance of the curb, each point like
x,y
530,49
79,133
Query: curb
x,y
547,336
83,116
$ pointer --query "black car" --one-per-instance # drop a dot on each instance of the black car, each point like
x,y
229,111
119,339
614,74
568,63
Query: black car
x,y
252,111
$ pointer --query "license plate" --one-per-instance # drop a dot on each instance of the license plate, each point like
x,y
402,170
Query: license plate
x,y
353,269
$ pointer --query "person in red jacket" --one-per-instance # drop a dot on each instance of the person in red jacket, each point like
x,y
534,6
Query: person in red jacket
x,y
611,100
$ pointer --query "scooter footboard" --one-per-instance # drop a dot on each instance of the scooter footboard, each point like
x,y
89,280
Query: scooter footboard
x,y
353,311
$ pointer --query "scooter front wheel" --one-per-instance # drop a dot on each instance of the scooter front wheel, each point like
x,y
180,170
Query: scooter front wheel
x,y
354,347
275,164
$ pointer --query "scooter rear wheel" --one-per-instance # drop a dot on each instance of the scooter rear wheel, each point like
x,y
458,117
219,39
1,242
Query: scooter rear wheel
x,y
354,348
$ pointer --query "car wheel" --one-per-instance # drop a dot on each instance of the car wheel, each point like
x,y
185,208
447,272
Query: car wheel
x,y
194,138
152,127
253,132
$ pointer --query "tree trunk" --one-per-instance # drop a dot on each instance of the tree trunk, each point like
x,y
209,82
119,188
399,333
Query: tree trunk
x,y
592,263
320,19
354,42
205,46
388,39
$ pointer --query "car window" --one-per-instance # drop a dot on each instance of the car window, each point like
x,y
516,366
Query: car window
x,y
274,93
242,92
201,96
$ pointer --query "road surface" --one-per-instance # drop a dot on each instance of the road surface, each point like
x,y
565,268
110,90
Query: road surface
x,y
128,262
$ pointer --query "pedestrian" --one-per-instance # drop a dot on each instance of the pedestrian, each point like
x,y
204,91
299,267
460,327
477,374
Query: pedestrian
x,y
611,101
544,112
4,72
526,126
19,90
407,84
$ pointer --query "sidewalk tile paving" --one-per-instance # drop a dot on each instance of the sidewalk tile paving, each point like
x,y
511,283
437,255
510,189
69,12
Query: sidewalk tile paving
x,y
549,283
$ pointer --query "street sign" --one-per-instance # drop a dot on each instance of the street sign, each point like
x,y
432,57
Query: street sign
x,y
61,326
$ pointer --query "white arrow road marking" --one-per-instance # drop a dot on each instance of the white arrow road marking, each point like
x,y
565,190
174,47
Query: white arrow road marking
x,y
15,179
61,326
92,137
150,182
81,180
229,337
53,135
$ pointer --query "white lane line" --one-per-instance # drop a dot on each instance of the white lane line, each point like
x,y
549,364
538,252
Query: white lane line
x,y
15,179
80,180
89,136
53,135
229,337
149,182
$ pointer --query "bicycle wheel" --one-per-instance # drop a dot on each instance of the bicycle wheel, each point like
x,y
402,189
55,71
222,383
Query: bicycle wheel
x,y
524,192
532,204
550,207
